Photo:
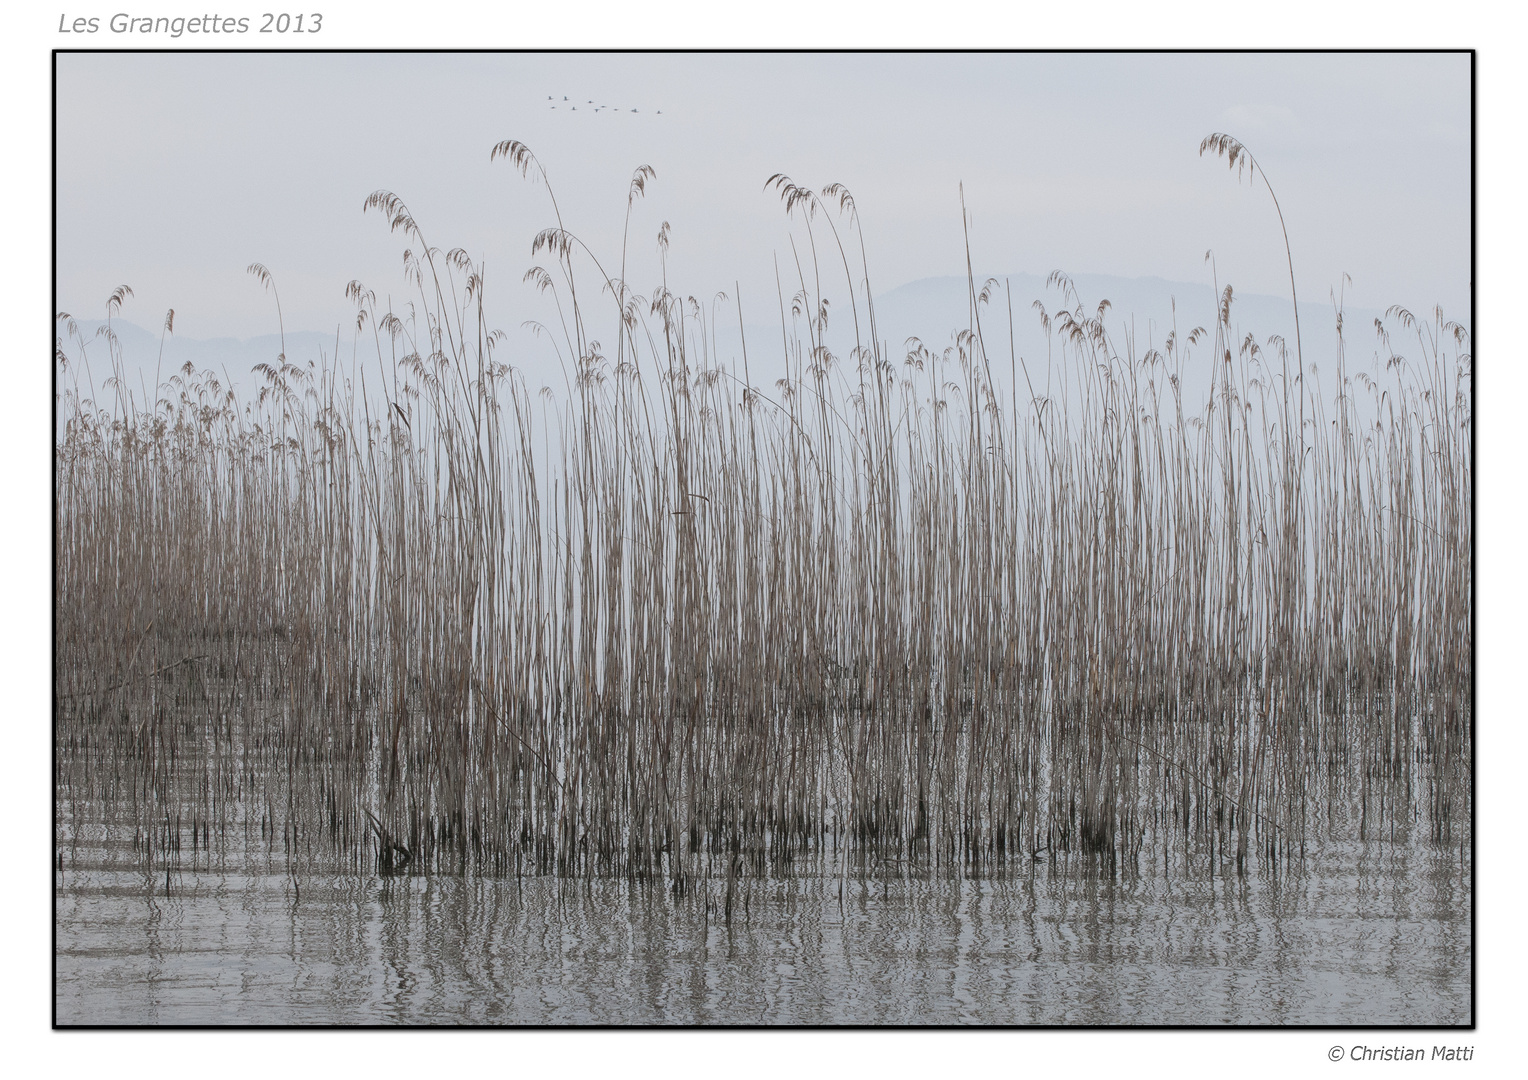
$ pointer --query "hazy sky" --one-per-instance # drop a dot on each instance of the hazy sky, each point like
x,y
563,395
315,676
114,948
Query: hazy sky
x,y
175,171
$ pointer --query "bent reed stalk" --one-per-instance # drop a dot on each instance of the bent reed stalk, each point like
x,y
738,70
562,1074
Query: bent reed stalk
x,y
880,618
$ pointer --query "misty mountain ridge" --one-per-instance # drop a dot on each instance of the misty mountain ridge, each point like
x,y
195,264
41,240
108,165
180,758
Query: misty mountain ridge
x,y
1142,312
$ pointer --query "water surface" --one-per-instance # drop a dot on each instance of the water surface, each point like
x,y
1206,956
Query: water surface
x,y
1366,934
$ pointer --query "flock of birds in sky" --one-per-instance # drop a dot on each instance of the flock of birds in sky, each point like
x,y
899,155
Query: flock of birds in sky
x,y
597,108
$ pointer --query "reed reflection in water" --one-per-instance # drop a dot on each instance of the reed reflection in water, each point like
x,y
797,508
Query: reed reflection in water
x,y
1369,934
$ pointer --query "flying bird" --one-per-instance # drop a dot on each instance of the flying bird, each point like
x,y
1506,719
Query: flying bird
x,y
598,108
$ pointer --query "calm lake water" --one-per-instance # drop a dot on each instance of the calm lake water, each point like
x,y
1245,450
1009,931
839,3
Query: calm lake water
x,y
1367,934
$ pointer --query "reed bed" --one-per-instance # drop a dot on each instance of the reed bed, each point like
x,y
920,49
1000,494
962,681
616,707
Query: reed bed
x,y
901,611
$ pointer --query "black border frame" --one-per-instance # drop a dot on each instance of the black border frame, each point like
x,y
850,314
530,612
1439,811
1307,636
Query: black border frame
x,y
57,856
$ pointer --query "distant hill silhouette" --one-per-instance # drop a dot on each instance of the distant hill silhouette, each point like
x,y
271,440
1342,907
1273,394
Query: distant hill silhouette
x,y
932,310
